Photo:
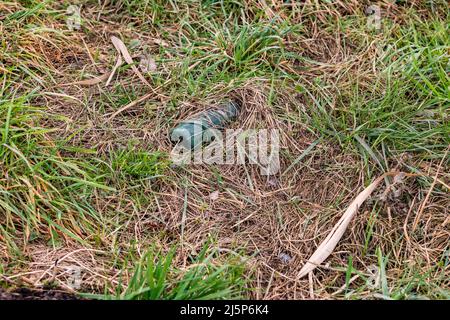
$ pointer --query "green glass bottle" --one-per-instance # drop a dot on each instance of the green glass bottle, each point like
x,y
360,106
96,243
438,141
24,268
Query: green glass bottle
x,y
193,132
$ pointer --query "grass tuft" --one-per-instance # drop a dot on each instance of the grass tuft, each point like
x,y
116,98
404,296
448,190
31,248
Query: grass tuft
x,y
156,278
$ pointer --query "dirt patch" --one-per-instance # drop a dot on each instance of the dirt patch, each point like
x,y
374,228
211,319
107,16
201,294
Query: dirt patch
x,y
31,294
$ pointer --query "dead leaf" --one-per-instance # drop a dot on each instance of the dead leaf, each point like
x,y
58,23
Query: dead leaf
x,y
122,49
88,82
113,71
330,242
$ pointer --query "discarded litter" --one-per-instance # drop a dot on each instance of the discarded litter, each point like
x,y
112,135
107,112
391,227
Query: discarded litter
x,y
192,132
285,258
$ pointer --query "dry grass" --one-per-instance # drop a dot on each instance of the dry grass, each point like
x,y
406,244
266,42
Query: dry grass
x,y
276,221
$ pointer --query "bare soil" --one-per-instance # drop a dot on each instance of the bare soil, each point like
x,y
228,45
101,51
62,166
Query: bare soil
x,y
33,294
